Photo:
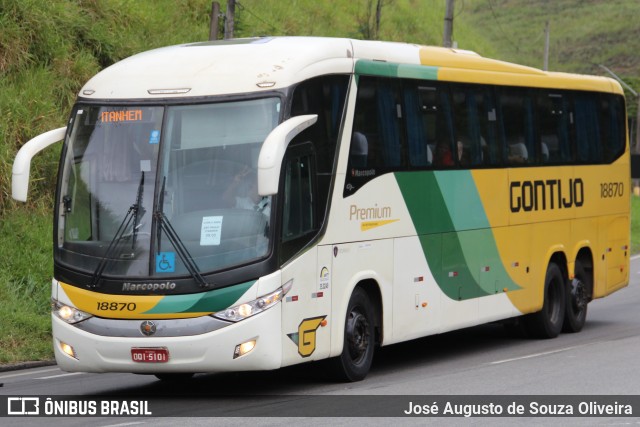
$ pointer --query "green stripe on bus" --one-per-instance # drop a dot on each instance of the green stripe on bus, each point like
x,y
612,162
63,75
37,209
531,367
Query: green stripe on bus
x,y
454,233
391,69
205,302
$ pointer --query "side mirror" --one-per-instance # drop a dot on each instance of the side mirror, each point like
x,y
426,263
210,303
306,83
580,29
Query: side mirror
x,y
22,163
273,149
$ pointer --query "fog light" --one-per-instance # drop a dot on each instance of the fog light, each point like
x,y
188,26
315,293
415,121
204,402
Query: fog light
x,y
68,350
244,348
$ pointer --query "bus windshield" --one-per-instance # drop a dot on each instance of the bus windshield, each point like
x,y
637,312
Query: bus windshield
x,y
164,191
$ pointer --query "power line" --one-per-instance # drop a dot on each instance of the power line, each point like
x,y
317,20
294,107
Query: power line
x,y
244,8
517,47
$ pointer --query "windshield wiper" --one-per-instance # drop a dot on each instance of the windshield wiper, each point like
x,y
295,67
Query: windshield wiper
x,y
134,213
163,224
138,212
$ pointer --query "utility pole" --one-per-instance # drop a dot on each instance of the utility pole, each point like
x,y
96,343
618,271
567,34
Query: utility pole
x,y
545,65
213,25
447,37
229,19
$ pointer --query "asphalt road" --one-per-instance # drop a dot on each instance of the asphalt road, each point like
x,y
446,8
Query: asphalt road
x,y
603,359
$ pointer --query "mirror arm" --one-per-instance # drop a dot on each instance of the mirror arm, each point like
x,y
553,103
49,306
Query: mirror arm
x,y
22,163
273,149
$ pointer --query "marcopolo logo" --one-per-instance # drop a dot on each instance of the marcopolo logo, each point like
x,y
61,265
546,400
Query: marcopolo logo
x,y
127,286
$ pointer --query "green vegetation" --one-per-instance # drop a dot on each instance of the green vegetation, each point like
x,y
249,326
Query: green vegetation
x,y
48,49
635,224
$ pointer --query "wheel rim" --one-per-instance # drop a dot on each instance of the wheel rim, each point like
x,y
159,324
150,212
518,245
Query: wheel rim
x,y
578,295
553,298
358,336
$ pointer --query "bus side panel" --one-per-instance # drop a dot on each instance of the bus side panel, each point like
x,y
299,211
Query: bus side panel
x,y
514,244
615,233
417,298
306,308
355,263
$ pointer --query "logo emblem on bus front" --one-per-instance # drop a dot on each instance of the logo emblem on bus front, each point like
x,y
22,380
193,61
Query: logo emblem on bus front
x,y
148,328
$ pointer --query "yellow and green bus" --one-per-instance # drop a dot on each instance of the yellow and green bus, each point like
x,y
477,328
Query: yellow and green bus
x,y
257,203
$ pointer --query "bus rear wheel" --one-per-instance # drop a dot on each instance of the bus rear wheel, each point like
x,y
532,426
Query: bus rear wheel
x,y
577,299
547,323
359,339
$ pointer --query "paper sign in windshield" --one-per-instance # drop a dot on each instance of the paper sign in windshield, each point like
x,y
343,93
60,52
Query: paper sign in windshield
x,y
210,231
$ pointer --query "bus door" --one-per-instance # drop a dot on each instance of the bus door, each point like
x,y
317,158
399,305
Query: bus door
x,y
306,309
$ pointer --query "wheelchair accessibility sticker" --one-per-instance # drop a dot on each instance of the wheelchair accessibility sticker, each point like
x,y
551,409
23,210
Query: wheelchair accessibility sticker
x,y
165,262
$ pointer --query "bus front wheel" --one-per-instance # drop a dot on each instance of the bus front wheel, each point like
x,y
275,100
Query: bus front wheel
x,y
547,323
359,339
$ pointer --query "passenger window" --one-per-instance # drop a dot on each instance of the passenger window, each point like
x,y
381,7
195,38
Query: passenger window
x,y
613,126
517,123
377,138
474,122
437,124
588,128
554,118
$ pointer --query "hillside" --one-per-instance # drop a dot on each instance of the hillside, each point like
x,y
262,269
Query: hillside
x,y
48,49
583,34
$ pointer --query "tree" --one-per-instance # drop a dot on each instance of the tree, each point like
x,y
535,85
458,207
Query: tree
x,y
369,23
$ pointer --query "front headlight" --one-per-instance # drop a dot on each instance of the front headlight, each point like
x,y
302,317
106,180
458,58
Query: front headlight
x,y
68,313
248,309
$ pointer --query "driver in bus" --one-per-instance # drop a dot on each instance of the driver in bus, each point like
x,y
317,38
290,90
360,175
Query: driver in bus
x,y
242,193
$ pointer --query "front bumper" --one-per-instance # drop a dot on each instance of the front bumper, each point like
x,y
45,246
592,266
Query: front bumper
x,y
203,352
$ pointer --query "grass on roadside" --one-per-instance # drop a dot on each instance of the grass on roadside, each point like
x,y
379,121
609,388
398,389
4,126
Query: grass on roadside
x,y
635,224
25,247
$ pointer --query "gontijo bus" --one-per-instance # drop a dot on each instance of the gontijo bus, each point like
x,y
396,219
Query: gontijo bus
x,y
253,204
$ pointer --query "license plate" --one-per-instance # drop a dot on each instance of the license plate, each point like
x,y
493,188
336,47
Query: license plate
x,y
150,355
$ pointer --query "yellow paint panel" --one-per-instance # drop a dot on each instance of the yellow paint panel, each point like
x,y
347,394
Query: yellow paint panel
x,y
119,306
368,225
461,66
491,185
550,80
443,57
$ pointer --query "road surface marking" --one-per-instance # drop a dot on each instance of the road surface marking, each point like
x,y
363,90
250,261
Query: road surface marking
x,y
61,375
28,373
529,356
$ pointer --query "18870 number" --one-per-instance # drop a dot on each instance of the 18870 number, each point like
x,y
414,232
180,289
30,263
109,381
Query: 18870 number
x,y
116,306
611,189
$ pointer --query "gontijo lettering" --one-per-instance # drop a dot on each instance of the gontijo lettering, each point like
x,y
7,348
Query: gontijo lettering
x,y
548,194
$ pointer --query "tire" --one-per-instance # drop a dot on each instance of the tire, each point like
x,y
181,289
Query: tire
x,y
359,340
577,297
547,323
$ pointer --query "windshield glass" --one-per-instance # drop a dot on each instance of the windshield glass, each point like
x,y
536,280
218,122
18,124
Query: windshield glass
x,y
140,200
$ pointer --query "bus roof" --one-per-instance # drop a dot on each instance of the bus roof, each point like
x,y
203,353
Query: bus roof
x,y
259,64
